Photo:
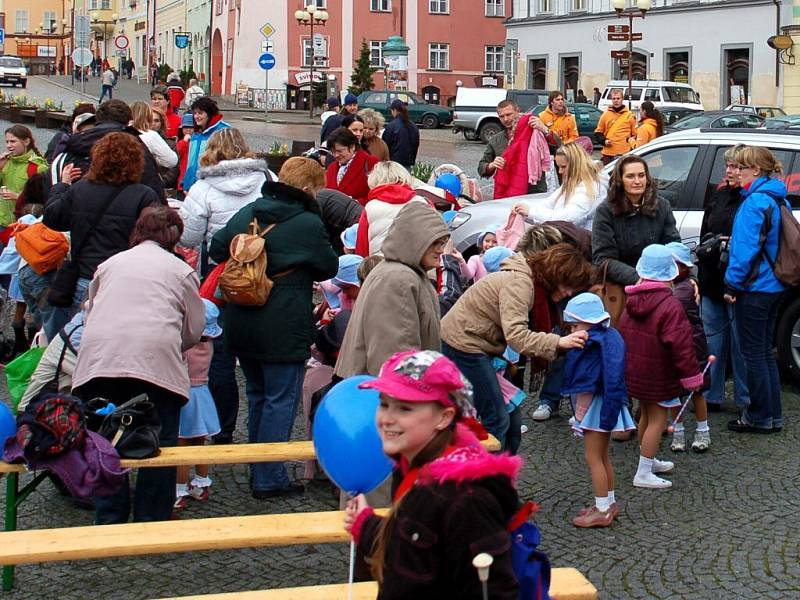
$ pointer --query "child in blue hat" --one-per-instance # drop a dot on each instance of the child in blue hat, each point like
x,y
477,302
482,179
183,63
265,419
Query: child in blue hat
x,y
595,377
660,358
474,269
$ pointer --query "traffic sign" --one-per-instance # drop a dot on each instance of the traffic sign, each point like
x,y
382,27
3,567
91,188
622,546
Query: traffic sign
x,y
267,30
267,46
624,63
320,47
266,61
618,28
636,37
618,37
182,40
82,57
2,36
620,54
122,42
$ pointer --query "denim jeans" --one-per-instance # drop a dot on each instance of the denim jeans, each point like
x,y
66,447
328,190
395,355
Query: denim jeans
x,y
551,388
224,389
55,318
273,393
723,342
106,89
755,315
478,369
34,291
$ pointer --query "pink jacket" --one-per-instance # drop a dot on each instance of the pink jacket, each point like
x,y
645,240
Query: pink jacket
x,y
198,359
538,157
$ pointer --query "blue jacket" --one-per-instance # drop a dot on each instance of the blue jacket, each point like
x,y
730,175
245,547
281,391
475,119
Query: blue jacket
x,y
599,369
403,142
197,145
756,226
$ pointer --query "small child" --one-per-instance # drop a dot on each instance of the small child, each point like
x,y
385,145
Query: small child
x,y
182,146
474,270
595,376
686,291
660,358
341,291
199,419
349,237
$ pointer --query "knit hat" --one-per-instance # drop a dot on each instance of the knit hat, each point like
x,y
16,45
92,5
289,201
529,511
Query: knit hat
x,y
350,99
348,270
424,376
329,339
187,120
586,308
212,329
349,237
657,264
494,256
681,253
492,229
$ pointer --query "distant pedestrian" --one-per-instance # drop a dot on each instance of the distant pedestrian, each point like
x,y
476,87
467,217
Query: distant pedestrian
x,y
175,89
193,92
616,128
332,105
335,121
651,125
401,135
107,85
596,97
581,97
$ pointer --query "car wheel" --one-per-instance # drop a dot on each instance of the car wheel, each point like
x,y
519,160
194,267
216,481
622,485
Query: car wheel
x,y
488,130
430,121
787,336
470,135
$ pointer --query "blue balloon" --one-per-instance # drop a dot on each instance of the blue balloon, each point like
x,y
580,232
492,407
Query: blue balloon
x,y
346,438
8,425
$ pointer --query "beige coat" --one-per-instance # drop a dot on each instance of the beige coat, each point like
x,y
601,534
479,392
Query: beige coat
x,y
142,311
397,308
494,313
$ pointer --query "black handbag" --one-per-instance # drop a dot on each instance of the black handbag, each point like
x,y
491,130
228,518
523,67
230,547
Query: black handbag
x,y
133,428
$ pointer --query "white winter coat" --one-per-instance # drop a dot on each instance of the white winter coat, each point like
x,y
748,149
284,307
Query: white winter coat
x,y
579,209
220,191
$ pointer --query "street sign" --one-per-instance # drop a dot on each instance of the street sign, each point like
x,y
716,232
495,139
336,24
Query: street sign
x,y
267,30
320,47
620,54
122,42
618,28
82,30
182,40
267,46
2,36
624,63
636,37
266,61
82,57
618,37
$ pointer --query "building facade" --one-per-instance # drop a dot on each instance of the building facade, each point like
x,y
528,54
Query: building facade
x,y
718,46
37,31
198,20
452,43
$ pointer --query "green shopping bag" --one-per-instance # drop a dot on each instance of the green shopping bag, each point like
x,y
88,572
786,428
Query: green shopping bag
x,y
19,371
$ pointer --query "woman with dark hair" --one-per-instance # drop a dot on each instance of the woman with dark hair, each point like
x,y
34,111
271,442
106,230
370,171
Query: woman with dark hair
x,y
20,160
137,296
651,125
356,126
208,120
350,167
401,135
100,210
631,218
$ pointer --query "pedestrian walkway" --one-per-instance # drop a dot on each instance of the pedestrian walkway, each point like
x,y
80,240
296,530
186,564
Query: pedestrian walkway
x,y
128,90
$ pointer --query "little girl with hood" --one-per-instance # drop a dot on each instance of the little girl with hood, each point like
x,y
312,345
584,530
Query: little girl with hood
x,y
451,498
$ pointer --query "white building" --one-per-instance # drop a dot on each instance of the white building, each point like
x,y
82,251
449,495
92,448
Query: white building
x,y
712,44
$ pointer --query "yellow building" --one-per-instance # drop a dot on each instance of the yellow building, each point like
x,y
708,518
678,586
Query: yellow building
x,y
38,31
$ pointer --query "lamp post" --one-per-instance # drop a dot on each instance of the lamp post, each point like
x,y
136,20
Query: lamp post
x,y
639,11
105,25
311,16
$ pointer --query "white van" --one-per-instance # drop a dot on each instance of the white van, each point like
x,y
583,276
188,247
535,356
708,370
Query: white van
x,y
660,93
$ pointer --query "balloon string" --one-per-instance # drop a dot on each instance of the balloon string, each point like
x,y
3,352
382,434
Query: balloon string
x,y
352,569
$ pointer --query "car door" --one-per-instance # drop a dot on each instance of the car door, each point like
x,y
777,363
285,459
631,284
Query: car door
x,y
587,118
380,102
415,109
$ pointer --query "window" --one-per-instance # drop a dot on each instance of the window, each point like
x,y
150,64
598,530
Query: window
x,y
545,6
791,176
439,57
439,7
105,4
380,5
49,21
308,52
670,167
495,8
494,58
377,98
21,21
652,95
318,3
219,7
578,5
376,53
680,95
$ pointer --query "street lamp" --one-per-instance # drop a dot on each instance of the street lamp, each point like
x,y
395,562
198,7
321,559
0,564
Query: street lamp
x,y
310,16
48,28
105,25
640,10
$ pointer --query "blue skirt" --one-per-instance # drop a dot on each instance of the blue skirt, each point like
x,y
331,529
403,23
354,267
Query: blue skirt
x,y
591,420
199,415
675,402
14,293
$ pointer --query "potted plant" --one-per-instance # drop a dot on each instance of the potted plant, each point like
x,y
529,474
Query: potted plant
x,y
42,116
277,154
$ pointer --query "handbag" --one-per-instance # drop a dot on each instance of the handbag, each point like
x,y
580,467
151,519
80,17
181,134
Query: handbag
x,y
612,294
133,428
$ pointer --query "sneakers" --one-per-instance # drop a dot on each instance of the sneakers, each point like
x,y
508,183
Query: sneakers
x,y
650,481
613,509
678,442
200,494
702,441
180,503
542,413
594,518
662,466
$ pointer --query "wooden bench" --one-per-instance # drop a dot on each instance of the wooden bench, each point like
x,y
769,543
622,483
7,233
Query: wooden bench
x,y
565,584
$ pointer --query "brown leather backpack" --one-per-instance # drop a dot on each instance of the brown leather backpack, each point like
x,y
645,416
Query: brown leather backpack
x,y
244,279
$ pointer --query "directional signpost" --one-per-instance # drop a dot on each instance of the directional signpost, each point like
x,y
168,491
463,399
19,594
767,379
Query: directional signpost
x,y
266,61
618,28
620,54
625,33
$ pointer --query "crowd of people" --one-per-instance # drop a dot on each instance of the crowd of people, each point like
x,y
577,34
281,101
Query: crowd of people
x,y
365,281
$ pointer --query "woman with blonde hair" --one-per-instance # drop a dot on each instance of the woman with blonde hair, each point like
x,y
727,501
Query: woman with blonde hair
x,y
158,147
582,189
371,141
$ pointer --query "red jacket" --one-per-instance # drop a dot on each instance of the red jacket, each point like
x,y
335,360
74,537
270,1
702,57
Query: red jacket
x,y
354,182
173,123
660,361
182,149
513,179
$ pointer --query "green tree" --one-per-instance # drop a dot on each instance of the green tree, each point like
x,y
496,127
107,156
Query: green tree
x,y
361,79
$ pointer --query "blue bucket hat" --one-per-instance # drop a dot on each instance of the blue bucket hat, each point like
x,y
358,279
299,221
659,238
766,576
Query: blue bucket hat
x,y
657,264
331,292
349,237
448,216
449,182
681,253
586,308
187,120
212,329
350,99
491,229
348,270
494,256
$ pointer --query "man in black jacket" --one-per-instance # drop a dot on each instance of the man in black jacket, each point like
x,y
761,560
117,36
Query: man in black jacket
x,y
111,116
339,211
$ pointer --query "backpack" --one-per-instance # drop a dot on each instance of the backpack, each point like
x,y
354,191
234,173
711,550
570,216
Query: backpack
x,y
531,567
44,249
51,425
244,280
786,265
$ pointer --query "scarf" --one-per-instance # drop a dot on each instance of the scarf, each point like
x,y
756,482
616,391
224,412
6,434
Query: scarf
x,y
543,317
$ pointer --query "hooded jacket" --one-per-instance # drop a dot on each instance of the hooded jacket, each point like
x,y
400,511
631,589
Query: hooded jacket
x,y
383,204
617,127
646,132
564,126
221,190
197,145
756,230
339,211
282,330
660,356
460,506
13,176
494,313
397,308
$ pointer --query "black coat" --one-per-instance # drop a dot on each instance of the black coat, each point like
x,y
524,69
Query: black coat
x,y
331,123
717,219
339,211
75,207
403,141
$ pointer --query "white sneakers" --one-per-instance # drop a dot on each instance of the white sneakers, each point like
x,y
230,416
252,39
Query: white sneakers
x,y
542,413
646,473
650,481
662,466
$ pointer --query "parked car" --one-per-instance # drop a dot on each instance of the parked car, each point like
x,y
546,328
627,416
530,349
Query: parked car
x,y
757,109
430,116
476,109
717,119
785,122
688,166
672,114
13,71
586,116
660,93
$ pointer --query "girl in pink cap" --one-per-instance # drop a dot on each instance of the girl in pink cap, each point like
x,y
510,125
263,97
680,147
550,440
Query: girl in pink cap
x,y
452,499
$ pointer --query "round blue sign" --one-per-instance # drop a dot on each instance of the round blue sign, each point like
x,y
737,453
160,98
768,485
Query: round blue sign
x,y
266,61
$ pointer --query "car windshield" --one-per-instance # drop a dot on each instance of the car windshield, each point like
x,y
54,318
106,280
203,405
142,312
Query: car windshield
x,y
680,94
10,61
690,122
